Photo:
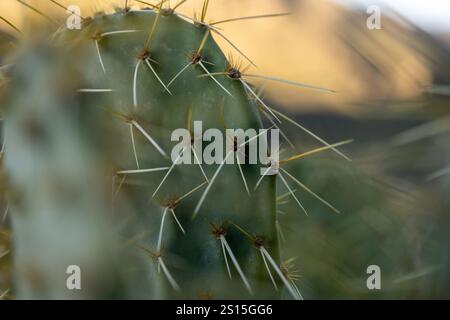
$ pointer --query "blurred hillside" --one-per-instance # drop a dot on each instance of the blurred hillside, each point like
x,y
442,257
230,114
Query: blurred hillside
x,y
323,44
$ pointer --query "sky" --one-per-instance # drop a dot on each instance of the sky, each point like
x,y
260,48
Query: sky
x,y
432,15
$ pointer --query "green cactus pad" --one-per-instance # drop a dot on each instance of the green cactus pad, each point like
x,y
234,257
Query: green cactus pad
x,y
81,111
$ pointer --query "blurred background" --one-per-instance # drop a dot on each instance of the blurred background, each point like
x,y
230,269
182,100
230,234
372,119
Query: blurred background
x,y
392,96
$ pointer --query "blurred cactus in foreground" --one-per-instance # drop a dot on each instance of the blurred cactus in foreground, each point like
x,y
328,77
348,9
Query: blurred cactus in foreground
x,y
7,45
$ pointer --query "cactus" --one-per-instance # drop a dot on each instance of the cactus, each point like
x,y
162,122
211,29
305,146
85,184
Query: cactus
x,y
7,42
89,115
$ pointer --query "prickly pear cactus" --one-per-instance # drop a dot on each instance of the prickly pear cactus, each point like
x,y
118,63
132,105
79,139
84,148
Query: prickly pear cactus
x,y
102,201
88,138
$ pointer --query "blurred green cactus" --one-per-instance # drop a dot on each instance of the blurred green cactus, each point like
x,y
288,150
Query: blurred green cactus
x,y
7,45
